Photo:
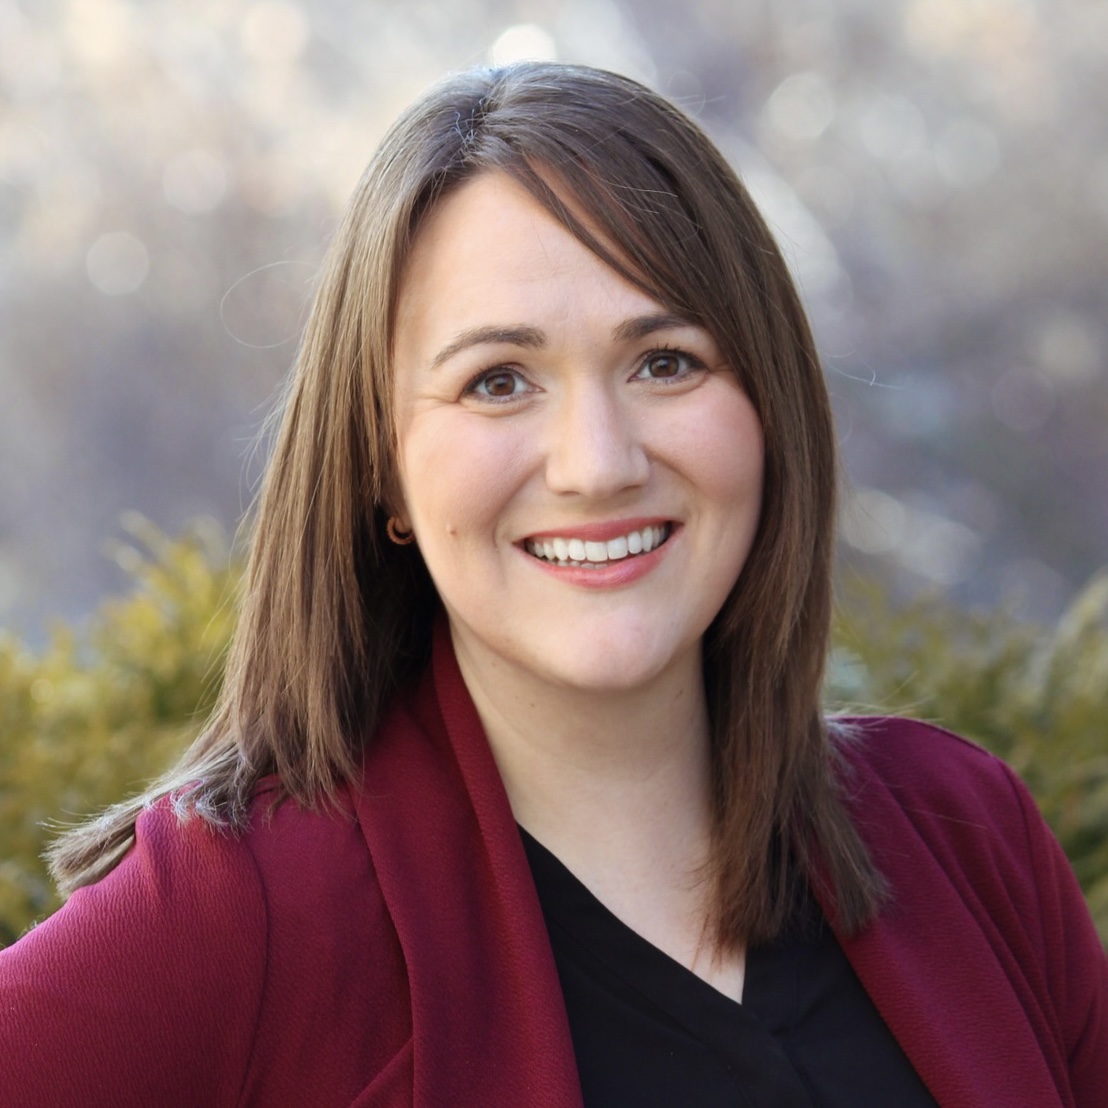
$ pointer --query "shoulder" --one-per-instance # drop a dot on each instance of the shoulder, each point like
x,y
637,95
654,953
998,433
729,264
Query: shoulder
x,y
268,954
964,847
335,1009
132,967
178,875
916,789
926,801
896,746
922,797
928,771
326,916
305,854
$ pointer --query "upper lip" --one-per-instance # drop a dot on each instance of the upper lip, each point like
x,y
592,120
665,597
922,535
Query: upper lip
x,y
599,532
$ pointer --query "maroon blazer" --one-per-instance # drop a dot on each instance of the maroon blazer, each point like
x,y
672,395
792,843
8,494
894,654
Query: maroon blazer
x,y
390,949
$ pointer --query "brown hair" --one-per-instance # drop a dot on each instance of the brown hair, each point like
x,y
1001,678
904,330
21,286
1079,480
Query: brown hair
x,y
334,616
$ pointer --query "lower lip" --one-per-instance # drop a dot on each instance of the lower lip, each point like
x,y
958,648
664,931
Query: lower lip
x,y
607,575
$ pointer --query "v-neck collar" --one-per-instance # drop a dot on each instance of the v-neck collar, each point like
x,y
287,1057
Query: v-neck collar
x,y
736,1034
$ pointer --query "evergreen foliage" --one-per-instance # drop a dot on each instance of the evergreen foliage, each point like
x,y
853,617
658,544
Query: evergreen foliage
x,y
92,717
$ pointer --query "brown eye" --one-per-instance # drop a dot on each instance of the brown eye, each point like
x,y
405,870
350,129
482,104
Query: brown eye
x,y
668,365
499,384
663,365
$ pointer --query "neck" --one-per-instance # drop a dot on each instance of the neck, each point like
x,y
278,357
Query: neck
x,y
607,780
618,786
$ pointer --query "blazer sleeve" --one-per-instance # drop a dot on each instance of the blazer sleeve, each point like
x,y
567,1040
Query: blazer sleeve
x,y
1076,961
145,987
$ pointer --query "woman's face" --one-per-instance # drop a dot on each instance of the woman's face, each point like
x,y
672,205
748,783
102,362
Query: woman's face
x,y
582,471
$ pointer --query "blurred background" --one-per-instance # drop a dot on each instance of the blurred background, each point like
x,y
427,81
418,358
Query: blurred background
x,y
937,171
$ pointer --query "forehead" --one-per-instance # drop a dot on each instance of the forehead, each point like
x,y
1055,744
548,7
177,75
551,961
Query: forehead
x,y
489,251
467,221
477,220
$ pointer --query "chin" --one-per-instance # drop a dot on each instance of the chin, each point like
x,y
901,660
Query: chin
x,y
614,672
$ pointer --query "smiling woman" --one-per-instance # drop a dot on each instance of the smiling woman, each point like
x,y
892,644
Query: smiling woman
x,y
519,791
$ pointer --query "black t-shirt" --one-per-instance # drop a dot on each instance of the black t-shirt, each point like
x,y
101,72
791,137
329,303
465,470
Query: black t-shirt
x,y
649,1033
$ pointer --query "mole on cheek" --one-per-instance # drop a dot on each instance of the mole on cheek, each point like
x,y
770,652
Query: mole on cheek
x,y
451,530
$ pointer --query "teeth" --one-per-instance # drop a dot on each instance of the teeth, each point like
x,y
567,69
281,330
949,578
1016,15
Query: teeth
x,y
577,552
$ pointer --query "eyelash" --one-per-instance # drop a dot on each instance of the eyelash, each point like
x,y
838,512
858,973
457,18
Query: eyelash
x,y
691,364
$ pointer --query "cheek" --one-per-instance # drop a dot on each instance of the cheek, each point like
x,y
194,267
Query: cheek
x,y
457,476
732,467
723,451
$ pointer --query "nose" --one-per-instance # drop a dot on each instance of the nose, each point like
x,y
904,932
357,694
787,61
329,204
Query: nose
x,y
595,446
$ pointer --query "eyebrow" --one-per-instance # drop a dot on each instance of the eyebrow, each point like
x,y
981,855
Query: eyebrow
x,y
644,325
487,336
629,330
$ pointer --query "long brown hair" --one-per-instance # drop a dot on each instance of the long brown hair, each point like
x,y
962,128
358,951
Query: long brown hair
x,y
334,616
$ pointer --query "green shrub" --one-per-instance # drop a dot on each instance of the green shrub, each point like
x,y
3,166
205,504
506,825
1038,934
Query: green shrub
x,y
94,716
91,719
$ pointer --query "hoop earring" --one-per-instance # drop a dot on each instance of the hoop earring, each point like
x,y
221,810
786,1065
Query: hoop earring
x,y
401,538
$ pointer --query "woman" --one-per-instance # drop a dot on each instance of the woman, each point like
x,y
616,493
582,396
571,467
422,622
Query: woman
x,y
519,792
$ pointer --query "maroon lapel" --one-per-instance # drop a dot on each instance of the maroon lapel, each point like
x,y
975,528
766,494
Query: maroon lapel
x,y
489,1023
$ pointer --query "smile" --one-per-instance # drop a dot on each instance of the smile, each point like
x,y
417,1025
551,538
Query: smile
x,y
582,553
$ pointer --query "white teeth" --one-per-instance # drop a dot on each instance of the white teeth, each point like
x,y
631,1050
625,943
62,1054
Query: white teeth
x,y
577,552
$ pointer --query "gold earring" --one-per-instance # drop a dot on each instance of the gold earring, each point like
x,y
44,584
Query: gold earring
x,y
401,538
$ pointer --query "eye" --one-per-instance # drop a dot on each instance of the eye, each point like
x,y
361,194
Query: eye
x,y
498,384
668,365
